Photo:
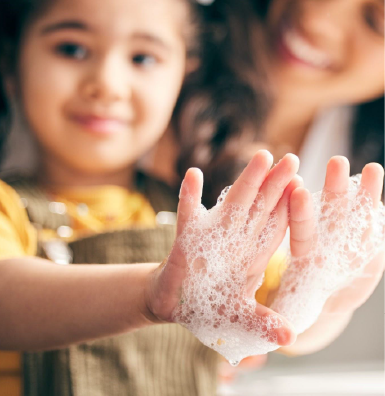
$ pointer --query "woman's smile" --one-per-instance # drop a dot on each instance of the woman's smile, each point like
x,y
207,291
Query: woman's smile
x,y
294,46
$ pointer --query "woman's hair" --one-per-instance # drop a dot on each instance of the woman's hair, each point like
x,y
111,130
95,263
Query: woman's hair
x,y
223,103
367,144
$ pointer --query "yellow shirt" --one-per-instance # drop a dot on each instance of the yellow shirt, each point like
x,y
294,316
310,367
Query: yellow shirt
x,y
91,210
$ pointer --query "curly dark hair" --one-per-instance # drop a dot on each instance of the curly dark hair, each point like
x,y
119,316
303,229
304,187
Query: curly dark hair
x,y
367,143
14,16
221,109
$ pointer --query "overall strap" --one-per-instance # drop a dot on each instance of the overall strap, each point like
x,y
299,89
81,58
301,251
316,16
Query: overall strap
x,y
161,196
51,215
41,211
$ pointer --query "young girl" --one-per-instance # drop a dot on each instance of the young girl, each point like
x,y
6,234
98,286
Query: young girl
x,y
96,83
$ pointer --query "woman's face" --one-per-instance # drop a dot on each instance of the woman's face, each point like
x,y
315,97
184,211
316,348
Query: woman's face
x,y
327,52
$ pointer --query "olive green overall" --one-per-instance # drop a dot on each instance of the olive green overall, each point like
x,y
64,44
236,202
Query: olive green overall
x,y
164,360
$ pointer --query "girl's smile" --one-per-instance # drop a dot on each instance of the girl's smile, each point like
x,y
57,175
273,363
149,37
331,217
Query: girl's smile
x,y
99,92
101,126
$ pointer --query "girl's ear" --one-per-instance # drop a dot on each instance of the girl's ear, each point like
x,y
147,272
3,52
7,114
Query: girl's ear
x,y
192,64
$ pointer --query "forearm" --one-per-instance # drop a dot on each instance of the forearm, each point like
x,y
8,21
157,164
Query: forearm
x,y
45,306
327,328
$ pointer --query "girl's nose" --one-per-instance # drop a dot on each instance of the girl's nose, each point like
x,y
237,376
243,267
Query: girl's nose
x,y
107,81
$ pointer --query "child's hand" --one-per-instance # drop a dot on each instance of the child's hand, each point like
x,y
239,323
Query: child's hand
x,y
223,254
337,263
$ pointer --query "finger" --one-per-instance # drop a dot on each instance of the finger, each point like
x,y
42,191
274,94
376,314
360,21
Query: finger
x,y
302,222
189,197
246,187
284,334
282,211
372,181
277,181
337,175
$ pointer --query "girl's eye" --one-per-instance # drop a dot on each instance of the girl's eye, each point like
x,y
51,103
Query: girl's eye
x,y
72,50
144,60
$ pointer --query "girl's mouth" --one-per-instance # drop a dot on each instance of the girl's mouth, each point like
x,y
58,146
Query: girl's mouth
x,y
103,126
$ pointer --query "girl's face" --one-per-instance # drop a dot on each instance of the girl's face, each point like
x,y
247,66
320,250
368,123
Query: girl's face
x,y
327,52
99,79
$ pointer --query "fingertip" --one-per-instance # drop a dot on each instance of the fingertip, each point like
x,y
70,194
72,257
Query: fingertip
x,y
285,332
339,162
300,195
265,156
373,180
340,159
337,174
192,183
294,160
266,153
286,335
375,168
297,182
301,204
293,157
189,196
195,172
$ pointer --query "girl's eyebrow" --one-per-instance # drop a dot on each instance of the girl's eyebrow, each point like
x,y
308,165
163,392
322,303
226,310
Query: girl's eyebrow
x,y
78,25
152,38
62,25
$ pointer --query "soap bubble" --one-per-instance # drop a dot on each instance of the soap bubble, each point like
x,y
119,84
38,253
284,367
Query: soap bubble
x,y
220,245
349,234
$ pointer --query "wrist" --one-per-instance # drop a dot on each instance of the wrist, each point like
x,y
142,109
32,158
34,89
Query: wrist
x,y
148,309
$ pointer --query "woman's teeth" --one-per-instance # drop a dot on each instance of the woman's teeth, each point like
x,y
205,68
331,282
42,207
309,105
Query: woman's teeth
x,y
302,50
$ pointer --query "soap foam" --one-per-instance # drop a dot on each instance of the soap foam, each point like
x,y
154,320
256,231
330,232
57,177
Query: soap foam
x,y
349,234
220,245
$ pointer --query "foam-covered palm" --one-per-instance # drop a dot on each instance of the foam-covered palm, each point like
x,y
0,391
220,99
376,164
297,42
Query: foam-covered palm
x,y
336,240
207,283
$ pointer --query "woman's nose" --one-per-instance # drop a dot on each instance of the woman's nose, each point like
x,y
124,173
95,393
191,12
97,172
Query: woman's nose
x,y
107,80
331,20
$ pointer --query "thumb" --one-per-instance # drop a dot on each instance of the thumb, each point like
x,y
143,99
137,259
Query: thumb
x,y
189,197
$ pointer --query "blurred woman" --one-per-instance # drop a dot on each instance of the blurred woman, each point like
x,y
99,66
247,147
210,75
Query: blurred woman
x,y
326,63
